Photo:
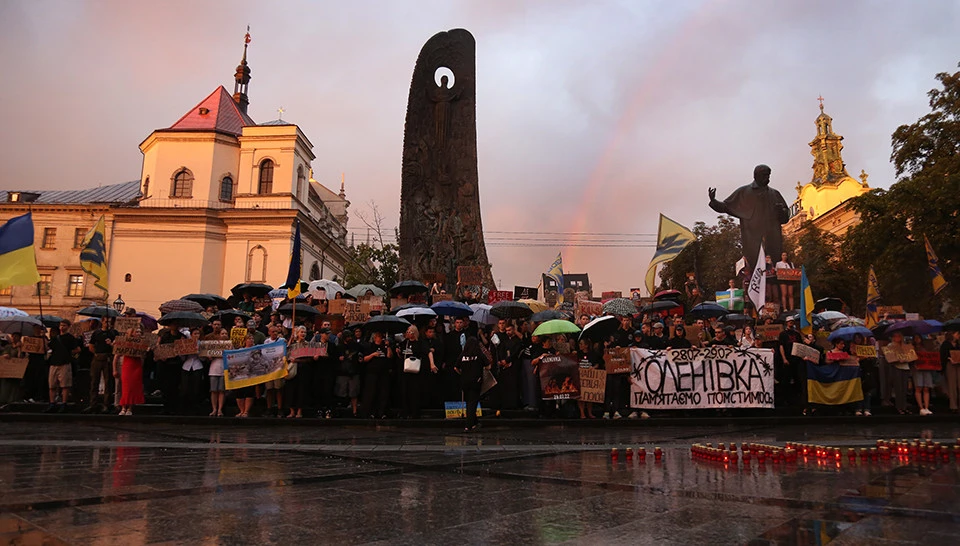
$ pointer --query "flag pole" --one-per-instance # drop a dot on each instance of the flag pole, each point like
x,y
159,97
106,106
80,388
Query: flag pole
x,y
39,297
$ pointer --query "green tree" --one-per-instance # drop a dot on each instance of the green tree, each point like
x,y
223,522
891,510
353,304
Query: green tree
x,y
820,254
712,257
373,265
925,200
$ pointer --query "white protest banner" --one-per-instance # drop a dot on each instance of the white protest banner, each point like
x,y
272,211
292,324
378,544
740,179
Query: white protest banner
x,y
757,289
714,377
254,365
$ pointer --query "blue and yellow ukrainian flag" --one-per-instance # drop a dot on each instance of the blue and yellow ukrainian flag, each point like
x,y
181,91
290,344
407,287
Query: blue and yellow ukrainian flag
x,y
18,260
833,385
556,273
296,266
873,297
671,239
939,283
93,254
806,303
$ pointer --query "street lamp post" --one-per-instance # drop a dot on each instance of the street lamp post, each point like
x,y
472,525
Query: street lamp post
x,y
118,304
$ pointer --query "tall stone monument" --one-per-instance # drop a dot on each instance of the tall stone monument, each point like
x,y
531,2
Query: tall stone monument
x,y
440,226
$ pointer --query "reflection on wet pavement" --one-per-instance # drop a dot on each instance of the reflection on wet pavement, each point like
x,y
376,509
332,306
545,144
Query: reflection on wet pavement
x,y
136,483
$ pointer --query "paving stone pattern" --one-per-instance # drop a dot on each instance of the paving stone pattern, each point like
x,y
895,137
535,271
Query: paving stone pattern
x,y
156,483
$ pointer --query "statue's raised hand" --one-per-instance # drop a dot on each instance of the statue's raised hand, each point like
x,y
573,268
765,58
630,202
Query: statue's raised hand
x,y
712,192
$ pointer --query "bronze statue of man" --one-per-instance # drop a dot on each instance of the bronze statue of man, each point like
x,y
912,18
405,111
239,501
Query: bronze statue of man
x,y
761,211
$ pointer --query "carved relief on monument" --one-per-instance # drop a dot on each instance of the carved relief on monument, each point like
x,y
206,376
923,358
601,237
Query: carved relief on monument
x,y
440,224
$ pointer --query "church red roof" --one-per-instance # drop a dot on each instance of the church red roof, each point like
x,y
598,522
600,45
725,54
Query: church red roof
x,y
217,112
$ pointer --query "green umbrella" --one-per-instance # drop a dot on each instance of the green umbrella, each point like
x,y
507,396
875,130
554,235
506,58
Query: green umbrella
x,y
556,326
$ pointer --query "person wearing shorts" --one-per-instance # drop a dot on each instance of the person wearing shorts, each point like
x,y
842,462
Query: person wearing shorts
x,y
63,348
218,391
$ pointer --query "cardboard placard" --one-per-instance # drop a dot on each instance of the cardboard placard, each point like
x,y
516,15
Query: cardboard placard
x,y
237,335
833,356
186,346
12,368
788,275
911,316
337,307
889,310
771,310
33,345
124,346
769,332
693,334
164,351
593,385
469,275
805,352
589,308
525,292
905,353
442,297
611,295
617,360
79,328
307,350
499,295
353,312
125,324
865,351
955,357
397,302
928,360
213,349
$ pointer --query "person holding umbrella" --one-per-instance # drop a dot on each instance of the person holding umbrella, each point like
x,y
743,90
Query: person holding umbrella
x,y
169,370
376,385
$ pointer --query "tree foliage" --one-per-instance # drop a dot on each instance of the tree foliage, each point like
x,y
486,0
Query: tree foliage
x,y
373,265
820,254
924,201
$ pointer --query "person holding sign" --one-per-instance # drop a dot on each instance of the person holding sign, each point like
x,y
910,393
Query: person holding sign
x,y
131,377
922,380
218,391
10,386
786,288
376,381
589,358
950,363
895,353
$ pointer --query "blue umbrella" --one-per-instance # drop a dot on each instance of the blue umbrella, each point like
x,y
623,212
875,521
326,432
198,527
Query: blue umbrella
x,y
912,328
452,308
847,333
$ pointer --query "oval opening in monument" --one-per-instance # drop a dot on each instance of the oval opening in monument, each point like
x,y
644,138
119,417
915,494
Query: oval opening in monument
x,y
444,71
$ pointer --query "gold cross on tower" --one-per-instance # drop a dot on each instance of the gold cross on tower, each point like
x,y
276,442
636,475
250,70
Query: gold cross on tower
x,y
280,112
820,98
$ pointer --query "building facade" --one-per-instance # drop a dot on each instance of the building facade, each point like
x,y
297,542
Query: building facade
x,y
825,199
215,205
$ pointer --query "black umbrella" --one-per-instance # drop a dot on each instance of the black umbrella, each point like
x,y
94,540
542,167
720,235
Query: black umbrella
x,y
99,311
549,314
255,289
667,295
50,321
880,328
830,304
707,309
659,306
600,327
409,287
386,323
187,319
510,310
951,325
228,316
209,300
303,310
737,318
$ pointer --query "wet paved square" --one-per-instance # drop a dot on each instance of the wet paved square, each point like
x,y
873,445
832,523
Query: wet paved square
x,y
155,483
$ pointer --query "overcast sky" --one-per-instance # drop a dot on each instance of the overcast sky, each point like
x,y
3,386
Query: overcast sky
x,y
593,117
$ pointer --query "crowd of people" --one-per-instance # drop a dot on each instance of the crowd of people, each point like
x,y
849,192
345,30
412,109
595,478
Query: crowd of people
x,y
373,374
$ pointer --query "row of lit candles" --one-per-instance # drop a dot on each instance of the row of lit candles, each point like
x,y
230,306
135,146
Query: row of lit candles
x,y
760,451
641,454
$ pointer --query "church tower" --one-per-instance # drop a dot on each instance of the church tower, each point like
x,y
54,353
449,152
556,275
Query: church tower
x,y
242,78
828,166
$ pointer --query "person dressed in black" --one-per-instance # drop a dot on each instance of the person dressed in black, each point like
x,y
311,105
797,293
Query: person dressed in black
x,y
414,353
507,355
435,356
722,337
168,370
325,370
657,340
679,338
790,371
470,367
452,346
376,379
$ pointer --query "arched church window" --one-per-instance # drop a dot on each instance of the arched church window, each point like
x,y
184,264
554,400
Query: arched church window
x,y
182,185
314,272
265,184
226,189
300,180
